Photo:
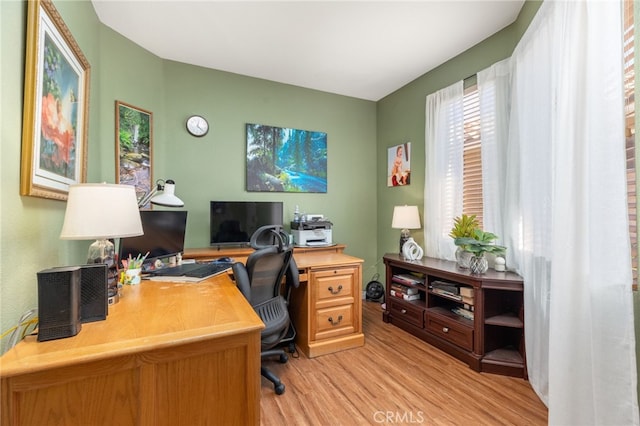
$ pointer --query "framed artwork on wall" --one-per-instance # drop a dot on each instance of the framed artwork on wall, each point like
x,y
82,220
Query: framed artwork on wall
x,y
55,116
399,165
134,148
285,160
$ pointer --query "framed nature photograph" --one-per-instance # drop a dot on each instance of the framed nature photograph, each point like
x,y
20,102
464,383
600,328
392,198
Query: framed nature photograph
x,y
286,160
399,165
55,116
134,147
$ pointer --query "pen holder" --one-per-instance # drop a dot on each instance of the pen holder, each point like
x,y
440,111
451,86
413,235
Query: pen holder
x,y
132,276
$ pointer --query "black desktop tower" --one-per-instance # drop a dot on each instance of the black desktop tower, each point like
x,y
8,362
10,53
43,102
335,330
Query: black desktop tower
x,y
93,292
59,303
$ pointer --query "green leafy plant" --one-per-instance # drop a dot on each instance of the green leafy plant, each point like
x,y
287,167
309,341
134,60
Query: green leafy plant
x,y
480,243
464,226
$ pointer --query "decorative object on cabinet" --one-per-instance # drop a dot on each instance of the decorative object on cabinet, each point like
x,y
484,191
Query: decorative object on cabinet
x,y
164,194
481,243
463,226
478,319
55,115
285,160
411,250
102,211
197,126
399,165
134,147
405,218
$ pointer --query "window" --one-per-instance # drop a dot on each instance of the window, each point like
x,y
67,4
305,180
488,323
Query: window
x,y
472,157
629,109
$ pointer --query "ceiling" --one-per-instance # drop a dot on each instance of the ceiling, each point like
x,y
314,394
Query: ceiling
x,y
362,49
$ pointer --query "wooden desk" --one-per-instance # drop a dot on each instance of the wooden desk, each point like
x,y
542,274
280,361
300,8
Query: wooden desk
x,y
240,254
327,307
167,354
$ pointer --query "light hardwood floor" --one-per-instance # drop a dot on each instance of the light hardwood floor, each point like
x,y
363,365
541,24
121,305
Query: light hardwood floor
x,y
394,379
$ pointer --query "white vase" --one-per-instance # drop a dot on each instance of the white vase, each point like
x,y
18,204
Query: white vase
x,y
463,258
478,264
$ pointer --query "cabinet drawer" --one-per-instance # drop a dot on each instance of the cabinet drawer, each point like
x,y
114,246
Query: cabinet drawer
x,y
407,312
450,330
334,284
334,321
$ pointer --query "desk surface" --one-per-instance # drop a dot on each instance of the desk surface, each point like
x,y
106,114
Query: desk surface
x,y
148,316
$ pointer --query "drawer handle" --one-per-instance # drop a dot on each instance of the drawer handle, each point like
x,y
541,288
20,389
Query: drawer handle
x,y
445,329
404,311
335,322
336,291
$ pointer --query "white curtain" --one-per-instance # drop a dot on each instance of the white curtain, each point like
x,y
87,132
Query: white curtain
x,y
444,140
563,207
494,91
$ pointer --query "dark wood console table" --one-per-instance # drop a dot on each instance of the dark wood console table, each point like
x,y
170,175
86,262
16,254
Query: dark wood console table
x,y
491,341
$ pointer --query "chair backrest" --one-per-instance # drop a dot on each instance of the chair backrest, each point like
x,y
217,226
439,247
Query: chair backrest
x,y
265,269
274,235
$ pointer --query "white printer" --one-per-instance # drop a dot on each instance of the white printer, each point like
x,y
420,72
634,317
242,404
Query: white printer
x,y
315,232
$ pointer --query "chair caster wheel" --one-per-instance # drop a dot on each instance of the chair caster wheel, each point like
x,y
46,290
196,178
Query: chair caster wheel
x,y
279,389
283,358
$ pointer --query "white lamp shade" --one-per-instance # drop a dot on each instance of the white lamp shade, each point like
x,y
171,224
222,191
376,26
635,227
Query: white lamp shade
x,y
405,217
168,197
101,211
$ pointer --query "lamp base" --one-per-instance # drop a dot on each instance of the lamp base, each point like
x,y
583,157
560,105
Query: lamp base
x,y
103,251
404,237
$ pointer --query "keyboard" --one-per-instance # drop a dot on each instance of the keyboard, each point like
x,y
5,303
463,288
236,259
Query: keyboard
x,y
193,270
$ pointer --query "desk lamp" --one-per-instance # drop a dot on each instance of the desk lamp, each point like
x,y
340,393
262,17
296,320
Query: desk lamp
x,y
405,218
102,211
163,195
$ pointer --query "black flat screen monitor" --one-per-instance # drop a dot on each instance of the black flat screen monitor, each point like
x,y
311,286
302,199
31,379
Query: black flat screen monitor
x,y
233,222
163,237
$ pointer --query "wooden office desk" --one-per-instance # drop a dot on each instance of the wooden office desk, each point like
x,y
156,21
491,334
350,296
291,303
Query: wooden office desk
x,y
167,354
327,307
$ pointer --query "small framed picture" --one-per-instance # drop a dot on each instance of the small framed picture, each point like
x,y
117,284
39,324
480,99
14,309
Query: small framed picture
x,y
399,165
134,147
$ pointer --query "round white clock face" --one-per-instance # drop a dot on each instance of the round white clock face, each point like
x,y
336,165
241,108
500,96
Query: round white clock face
x,y
197,125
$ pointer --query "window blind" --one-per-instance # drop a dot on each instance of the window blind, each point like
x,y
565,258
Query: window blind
x,y
472,156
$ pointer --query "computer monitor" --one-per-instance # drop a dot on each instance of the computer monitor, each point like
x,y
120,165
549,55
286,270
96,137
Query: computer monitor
x,y
234,222
163,237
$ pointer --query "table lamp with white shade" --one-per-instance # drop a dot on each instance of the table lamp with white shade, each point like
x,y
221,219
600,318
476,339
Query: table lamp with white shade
x,y
405,218
102,211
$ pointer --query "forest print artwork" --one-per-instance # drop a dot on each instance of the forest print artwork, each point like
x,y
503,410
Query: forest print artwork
x,y
285,160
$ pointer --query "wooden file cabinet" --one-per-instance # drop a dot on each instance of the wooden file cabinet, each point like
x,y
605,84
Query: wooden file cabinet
x,y
327,307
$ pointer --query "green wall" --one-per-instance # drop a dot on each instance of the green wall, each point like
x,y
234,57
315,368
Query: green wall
x,y
204,169
401,118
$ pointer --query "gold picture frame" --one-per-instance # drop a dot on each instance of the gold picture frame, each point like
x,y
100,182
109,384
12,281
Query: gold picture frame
x,y
134,148
56,106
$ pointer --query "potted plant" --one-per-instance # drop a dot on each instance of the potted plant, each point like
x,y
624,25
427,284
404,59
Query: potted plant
x,y
463,227
479,244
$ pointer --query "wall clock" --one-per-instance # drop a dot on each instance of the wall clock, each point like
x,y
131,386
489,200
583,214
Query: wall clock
x,y
197,125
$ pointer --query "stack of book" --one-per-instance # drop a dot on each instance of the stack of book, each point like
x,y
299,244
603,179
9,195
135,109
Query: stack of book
x,y
404,292
446,289
467,297
464,313
409,280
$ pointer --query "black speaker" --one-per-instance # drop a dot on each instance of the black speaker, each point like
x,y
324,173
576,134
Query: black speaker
x,y
93,292
59,303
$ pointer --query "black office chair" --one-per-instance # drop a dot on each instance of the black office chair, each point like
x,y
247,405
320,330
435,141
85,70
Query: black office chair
x,y
260,281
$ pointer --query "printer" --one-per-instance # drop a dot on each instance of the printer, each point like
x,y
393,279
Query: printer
x,y
314,232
